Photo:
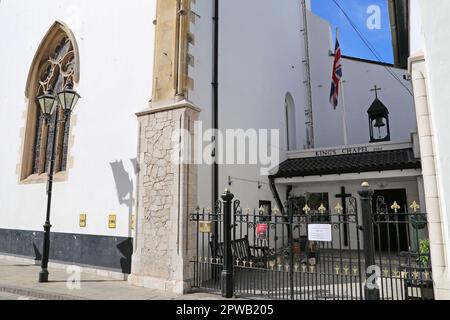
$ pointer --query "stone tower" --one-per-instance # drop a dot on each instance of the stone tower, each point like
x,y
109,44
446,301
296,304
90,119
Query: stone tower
x,y
167,189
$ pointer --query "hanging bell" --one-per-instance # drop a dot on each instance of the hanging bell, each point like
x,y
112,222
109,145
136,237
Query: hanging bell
x,y
379,122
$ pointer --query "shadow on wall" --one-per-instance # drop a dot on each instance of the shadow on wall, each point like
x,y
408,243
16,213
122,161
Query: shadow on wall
x,y
124,184
126,250
94,250
125,194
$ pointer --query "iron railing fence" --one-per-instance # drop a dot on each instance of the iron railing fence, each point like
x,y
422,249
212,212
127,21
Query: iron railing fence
x,y
402,252
291,254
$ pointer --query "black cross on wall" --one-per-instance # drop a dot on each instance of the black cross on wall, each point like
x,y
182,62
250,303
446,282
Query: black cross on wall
x,y
344,196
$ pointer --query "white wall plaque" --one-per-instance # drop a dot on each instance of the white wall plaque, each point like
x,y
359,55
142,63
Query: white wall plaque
x,y
320,232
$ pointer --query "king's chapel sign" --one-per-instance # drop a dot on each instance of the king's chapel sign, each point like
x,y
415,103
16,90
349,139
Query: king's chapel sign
x,y
347,150
350,150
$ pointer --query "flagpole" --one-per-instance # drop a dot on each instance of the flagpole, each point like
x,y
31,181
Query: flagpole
x,y
344,110
344,113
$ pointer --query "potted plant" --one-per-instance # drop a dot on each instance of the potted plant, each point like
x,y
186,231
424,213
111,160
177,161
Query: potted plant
x,y
424,253
426,288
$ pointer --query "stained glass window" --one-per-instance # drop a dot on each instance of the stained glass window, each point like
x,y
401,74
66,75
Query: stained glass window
x,y
54,73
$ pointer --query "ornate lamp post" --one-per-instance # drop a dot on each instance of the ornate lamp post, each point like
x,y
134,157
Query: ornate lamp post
x,y
49,103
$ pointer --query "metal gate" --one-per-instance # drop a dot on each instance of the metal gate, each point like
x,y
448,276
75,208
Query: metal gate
x,y
304,253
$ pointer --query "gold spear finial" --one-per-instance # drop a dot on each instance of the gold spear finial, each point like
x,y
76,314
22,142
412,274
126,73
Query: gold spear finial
x,y
395,207
322,209
306,209
339,209
415,206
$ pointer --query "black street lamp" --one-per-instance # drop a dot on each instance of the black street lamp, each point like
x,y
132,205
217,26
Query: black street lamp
x,y
49,103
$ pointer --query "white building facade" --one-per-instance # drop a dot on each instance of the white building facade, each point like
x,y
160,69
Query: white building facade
x,y
109,62
261,85
114,52
428,66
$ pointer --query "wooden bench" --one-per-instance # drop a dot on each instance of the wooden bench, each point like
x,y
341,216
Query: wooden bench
x,y
242,251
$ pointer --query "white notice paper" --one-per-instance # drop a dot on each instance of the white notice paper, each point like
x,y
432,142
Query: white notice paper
x,y
320,232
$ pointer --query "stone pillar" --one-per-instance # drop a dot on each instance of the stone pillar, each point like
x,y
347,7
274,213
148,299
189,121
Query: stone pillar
x,y
167,194
436,230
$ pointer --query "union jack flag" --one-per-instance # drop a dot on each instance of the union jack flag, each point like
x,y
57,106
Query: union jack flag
x,y
337,75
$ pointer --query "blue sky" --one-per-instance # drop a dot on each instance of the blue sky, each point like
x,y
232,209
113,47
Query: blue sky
x,y
351,44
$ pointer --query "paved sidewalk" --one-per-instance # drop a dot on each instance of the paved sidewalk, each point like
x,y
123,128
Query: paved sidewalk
x,y
20,279
9,296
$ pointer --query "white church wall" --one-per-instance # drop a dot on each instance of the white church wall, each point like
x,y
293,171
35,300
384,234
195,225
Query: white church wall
x,y
116,78
267,57
259,63
360,77
202,74
116,55
416,40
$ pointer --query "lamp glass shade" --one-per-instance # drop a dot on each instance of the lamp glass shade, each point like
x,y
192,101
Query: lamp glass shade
x,y
68,99
47,103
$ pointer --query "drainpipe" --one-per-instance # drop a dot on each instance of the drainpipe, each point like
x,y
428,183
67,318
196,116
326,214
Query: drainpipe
x,y
215,109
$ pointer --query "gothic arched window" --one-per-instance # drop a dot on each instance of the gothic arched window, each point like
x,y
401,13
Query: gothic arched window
x,y
291,130
55,64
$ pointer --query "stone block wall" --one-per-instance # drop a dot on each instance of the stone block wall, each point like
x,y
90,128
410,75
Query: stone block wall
x,y
167,194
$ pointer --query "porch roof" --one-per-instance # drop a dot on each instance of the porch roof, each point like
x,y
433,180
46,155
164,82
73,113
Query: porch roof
x,y
349,163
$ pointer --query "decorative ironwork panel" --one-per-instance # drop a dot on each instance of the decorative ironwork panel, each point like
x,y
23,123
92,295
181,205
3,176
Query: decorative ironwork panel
x,y
301,254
